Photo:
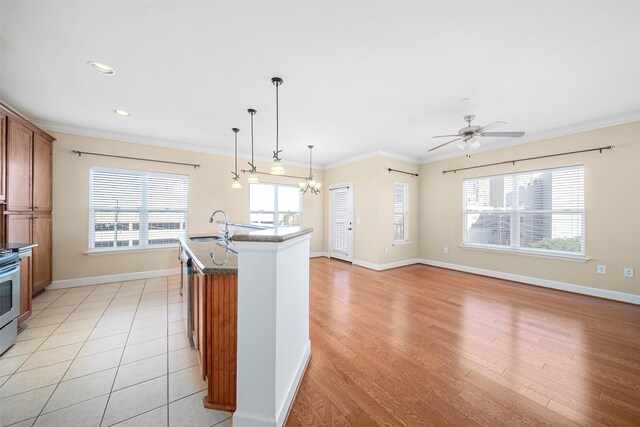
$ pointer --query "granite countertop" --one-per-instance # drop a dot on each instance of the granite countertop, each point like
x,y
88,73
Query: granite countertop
x,y
214,257
17,247
211,257
275,234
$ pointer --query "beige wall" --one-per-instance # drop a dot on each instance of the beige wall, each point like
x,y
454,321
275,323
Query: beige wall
x,y
612,204
209,189
373,205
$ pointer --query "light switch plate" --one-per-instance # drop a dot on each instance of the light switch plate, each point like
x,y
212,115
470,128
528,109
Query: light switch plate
x,y
628,272
445,250
602,269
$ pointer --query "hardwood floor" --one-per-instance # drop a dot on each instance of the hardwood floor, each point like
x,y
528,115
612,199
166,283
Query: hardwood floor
x,y
421,345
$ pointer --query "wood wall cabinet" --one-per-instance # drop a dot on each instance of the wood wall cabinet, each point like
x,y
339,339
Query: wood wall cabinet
x,y
19,167
3,155
26,197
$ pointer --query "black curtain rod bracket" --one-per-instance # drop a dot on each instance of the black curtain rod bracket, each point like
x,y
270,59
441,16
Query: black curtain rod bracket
x,y
513,162
80,153
399,171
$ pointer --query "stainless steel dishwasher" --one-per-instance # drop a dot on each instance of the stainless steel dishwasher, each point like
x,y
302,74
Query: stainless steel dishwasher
x,y
187,289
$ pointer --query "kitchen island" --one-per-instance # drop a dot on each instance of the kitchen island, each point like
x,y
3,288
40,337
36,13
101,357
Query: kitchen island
x,y
250,319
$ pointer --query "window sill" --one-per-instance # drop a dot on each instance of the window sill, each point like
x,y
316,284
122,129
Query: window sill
x,y
112,251
402,243
560,257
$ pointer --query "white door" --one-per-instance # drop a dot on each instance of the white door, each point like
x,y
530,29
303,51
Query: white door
x,y
341,218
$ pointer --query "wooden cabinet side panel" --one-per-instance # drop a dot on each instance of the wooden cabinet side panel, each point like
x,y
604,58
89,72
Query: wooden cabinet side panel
x,y
222,322
42,265
19,167
25,289
42,174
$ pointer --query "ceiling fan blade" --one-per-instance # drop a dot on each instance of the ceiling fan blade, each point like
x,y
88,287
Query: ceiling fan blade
x,y
445,136
490,125
446,143
503,134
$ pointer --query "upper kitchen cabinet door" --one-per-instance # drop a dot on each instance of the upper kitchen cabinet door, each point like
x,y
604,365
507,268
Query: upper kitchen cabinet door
x,y
19,167
42,152
3,156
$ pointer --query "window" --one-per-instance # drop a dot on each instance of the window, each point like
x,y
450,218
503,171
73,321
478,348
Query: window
x,y
274,204
400,212
131,209
538,212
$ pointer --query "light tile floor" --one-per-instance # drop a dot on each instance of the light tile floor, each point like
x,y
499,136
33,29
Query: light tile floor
x,y
112,354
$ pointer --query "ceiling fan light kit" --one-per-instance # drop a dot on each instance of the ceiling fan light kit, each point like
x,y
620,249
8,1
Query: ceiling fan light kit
x,y
469,136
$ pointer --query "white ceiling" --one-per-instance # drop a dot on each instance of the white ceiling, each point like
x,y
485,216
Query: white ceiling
x,y
358,76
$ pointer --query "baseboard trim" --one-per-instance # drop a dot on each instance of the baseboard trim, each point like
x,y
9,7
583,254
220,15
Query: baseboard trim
x,y
98,280
319,254
552,284
382,267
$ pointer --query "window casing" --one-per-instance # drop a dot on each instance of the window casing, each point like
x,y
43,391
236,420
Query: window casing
x,y
400,212
275,204
539,212
136,210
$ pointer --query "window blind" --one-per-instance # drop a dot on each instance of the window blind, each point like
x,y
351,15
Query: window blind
x,y
538,211
136,209
400,211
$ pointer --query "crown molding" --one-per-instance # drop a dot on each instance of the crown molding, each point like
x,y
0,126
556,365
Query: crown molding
x,y
373,154
137,139
553,133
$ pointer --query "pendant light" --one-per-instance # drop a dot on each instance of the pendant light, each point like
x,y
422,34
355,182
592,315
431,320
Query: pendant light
x,y
236,178
310,183
253,174
276,167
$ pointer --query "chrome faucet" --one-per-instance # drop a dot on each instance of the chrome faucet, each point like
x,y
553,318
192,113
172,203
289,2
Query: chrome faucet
x,y
226,224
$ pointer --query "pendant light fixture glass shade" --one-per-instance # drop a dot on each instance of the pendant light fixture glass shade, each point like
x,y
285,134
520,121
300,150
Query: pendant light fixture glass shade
x,y
235,184
310,183
276,167
253,174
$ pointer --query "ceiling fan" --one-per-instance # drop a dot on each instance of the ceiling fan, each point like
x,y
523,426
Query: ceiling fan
x,y
469,136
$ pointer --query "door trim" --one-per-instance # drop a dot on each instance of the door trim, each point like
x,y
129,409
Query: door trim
x,y
351,196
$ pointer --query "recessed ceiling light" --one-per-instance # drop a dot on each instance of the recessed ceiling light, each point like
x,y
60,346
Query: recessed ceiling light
x,y
101,68
121,113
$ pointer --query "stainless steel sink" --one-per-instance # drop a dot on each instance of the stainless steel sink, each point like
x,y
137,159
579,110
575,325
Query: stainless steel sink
x,y
206,238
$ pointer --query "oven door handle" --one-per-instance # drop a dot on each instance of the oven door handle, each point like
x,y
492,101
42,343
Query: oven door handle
x,y
9,271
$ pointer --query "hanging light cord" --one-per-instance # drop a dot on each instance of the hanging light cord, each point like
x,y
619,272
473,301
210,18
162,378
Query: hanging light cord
x,y
275,153
310,161
235,173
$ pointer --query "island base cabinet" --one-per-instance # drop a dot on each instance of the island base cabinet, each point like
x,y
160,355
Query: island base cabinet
x,y
215,311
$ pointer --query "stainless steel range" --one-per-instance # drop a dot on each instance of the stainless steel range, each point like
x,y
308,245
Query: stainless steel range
x,y
9,298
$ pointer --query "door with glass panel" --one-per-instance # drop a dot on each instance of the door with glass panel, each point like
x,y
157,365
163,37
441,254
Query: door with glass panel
x,y
341,222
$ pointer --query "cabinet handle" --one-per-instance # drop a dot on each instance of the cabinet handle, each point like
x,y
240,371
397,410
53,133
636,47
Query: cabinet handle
x,y
35,217
35,208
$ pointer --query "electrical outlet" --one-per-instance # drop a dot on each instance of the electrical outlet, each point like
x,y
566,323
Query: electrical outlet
x,y
628,272
386,251
602,269
445,250
358,221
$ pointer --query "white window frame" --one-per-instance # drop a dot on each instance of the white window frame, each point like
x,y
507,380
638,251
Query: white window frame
x,y
143,212
405,212
514,246
276,213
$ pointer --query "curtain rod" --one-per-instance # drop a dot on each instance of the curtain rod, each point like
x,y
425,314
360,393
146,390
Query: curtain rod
x,y
267,173
80,153
339,188
396,170
608,147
